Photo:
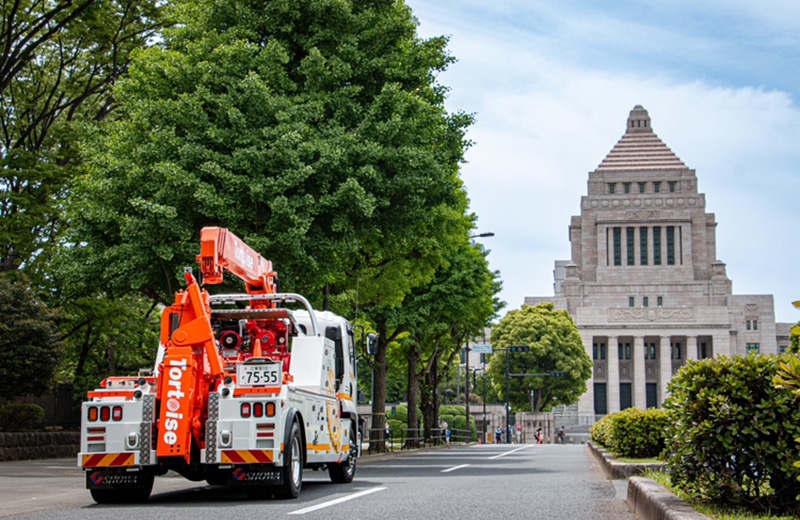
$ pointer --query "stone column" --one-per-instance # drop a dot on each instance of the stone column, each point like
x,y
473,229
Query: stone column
x,y
691,348
586,401
639,382
664,368
612,379
721,344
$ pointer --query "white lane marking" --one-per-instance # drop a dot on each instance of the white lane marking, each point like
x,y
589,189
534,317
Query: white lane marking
x,y
337,501
448,470
412,466
509,452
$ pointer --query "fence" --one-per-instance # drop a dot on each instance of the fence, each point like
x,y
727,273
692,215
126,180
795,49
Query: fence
x,y
377,441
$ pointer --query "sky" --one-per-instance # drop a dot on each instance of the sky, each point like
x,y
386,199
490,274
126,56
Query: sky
x,y
551,85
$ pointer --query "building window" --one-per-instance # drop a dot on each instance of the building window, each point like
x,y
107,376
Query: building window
x,y
630,301
676,350
652,350
594,351
645,301
755,324
624,350
753,348
641,187
617,246
626,187
748,325
627,350
703,350
602,350
657,245
612,187
657,187
783,349
670,245
631,247
660,301
643,245
672,186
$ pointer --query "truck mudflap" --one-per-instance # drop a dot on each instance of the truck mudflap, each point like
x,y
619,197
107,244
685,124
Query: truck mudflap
x,y
256,475
108,460
116,478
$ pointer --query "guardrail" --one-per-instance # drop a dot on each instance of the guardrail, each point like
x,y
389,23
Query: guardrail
x,y
381,441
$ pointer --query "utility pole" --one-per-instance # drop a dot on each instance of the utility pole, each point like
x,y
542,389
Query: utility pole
x,y
466,394
508,393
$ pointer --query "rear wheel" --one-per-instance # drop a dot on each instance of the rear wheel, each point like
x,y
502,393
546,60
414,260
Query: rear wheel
x,y
292,466
344,472
125,495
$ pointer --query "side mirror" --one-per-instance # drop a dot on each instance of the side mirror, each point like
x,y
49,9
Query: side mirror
x,y
372,344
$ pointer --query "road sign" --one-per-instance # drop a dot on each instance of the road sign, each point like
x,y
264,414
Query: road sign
x,y
481,349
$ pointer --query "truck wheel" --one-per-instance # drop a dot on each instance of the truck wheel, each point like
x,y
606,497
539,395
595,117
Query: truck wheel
x,y
292,466
344,472
130,495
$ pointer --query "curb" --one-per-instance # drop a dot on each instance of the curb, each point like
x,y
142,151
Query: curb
x,y
621,470
649,500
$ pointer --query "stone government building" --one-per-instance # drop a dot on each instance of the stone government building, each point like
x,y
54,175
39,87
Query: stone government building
x,y
644,285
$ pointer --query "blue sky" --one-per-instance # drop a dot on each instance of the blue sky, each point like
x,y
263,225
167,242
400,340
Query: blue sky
x,y
552,83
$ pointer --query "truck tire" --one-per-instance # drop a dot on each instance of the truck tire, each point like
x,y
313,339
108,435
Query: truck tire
x,y
292,466
344,472
131,495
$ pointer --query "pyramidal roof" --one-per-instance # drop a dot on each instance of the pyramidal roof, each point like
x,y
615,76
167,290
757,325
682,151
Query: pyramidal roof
x,y
640,149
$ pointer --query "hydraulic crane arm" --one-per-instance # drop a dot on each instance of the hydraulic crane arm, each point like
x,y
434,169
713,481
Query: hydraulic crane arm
x,y
221,250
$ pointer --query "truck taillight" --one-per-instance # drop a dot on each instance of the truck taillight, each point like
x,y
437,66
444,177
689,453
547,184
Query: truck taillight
x,y
270,410
116,413
245,410
105,413
91,413
258,409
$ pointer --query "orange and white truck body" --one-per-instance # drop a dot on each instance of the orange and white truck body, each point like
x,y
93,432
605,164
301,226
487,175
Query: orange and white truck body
x,y
247,389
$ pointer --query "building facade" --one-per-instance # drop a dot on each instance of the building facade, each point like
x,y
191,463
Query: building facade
x,y
644,284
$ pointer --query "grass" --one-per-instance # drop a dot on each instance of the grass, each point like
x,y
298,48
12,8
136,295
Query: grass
x,y
711,510
651,460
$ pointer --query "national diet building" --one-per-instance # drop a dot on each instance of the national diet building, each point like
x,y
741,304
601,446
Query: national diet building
x,y
644,284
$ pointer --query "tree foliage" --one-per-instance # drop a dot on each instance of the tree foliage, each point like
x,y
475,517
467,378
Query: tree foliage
x,y
555,345
314,129
29,345
58,63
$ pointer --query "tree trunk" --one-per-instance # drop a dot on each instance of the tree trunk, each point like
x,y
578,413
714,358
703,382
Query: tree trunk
x,y
413,397
378,431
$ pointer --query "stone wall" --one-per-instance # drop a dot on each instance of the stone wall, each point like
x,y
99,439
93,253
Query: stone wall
x,y
38,445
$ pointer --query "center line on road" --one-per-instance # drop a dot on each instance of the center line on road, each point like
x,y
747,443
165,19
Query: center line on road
x,y
509,452
448,470
337,501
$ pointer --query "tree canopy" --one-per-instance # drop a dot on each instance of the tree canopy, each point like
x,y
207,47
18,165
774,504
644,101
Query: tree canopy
x,y
555,345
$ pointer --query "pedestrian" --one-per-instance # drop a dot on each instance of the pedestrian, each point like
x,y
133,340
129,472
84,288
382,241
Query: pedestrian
x,y
561,434
519,434
539,436
498,436
509,435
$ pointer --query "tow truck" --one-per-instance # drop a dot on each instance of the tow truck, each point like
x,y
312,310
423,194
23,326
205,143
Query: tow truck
x,y
247,390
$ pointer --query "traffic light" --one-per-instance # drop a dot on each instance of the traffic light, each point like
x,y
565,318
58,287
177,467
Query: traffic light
x,y
519,348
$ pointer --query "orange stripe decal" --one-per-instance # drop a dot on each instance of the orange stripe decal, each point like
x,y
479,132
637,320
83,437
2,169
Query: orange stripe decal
x,y
104,460
246,456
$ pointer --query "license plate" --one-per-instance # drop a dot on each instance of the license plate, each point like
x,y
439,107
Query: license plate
x,y
267,374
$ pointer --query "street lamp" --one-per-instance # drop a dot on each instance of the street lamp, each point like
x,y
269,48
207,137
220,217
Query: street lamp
x,y
483,235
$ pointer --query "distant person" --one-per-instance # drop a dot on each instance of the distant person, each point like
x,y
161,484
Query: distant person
x,y
561,435
498,436
539,436
519,434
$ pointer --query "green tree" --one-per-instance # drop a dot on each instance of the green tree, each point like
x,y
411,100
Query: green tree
x,y
29,345
555,345
58,62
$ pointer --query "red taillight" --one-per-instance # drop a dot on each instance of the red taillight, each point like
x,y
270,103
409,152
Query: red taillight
x,y
116,413
270,409
258,409
245,410
92,416
105,413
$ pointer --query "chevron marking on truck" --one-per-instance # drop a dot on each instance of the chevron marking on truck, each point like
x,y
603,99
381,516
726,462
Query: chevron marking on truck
x,y
246,456
103,460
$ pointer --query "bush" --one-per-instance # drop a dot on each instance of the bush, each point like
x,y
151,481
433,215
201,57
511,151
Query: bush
x,y
732,440
638,433
599,431
18,417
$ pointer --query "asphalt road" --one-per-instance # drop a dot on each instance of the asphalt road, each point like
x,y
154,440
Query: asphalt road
x,y
464,482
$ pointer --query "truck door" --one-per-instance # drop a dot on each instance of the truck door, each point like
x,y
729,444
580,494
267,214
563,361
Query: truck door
x,y
335,334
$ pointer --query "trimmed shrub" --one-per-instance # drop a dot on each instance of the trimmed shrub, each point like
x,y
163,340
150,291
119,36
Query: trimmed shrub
x,y
638,433
18,417
599,431
732,440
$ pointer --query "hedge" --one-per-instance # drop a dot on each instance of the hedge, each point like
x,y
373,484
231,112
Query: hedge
x,y
633,432
732,440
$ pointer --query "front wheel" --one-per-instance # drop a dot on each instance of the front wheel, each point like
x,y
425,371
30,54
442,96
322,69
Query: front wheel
x,y
292,466
344,472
